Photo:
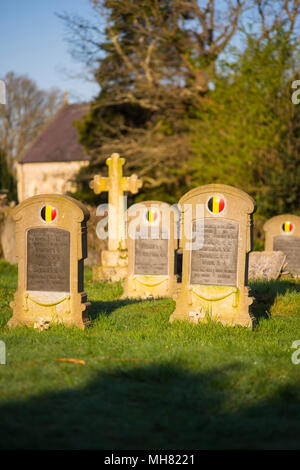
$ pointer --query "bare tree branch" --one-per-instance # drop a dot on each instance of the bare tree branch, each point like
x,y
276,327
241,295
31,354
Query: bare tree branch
x,y
24,115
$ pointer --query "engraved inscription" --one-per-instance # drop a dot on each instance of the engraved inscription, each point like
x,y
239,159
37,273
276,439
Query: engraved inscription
x,y
151,257
48,260
216,262
290,246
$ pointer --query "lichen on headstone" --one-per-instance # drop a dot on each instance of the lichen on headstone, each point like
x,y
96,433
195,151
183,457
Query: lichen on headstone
x,y
266,265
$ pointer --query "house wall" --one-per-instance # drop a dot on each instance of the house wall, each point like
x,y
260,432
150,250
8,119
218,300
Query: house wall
x,y
46,178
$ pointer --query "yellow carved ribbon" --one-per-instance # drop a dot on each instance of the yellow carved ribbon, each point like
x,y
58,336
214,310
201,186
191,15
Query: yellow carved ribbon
x,y
47,305
234,291
150,285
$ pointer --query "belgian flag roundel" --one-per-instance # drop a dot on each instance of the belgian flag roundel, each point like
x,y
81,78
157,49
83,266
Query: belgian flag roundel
x,y
216,204
287,227
48,213
151,215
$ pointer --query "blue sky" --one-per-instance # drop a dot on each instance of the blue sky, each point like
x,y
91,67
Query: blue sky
x,y
32,43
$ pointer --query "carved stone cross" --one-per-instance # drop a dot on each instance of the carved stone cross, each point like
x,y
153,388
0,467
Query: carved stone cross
x,y
115,184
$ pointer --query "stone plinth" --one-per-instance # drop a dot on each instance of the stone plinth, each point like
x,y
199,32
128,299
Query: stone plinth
x,y
114,266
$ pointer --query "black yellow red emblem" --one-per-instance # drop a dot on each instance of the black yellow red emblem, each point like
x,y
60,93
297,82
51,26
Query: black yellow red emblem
x,y
48,213
151,216
287,227
216,204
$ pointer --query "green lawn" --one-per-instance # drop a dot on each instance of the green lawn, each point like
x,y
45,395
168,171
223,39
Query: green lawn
x,y
147,384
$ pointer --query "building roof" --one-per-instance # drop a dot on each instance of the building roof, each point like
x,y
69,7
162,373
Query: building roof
x,y
58,141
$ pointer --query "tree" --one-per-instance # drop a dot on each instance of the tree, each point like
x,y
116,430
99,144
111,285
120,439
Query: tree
x,y
155,62
26,111
152,60
265,18
247,134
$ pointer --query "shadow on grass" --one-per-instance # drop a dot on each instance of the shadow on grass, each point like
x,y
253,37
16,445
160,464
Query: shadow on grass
x,y
153,407
265,293
100,308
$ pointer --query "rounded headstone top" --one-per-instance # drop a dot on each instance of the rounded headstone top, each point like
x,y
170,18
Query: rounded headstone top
x,y
219,190
49,203
278,220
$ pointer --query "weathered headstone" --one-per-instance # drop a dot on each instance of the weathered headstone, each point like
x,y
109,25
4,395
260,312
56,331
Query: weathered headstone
x,y
282,233
151,242
266,265
7,229
114,260
51,245
8,238
216,236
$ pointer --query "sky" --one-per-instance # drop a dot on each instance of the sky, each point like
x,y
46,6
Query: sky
x,y
32,43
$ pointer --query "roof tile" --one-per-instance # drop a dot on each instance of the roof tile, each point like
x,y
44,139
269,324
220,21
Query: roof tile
x,y
58,141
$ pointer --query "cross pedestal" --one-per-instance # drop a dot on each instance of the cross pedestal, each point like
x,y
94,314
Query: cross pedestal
x,y
114,260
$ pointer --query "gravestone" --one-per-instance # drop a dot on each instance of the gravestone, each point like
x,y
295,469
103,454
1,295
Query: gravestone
x,y
282,233
7,229
266,265
51,245
8,238
151,241
216,236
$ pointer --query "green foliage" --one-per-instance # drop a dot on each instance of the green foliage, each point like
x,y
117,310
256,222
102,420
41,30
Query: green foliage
x,y
154,64
247,134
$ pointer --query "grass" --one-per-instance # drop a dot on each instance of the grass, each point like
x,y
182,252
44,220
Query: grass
x,y
147,384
